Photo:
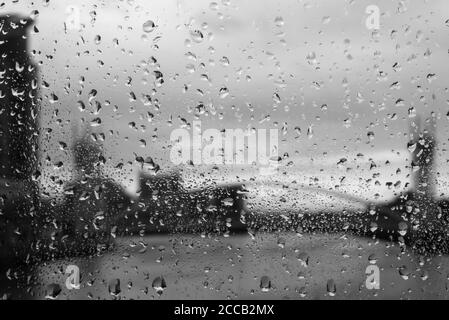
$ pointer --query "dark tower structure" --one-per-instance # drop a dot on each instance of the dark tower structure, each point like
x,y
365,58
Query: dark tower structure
x,y
18,142
18,100
422,145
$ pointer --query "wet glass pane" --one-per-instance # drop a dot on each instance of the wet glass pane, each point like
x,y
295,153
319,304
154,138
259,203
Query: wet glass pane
x,y
224,149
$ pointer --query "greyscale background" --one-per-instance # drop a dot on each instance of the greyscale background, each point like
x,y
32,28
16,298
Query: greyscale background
x,y
352,67
319,53
345,95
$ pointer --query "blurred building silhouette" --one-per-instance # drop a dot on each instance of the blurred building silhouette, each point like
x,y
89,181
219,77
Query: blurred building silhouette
x,y
91,204
172,208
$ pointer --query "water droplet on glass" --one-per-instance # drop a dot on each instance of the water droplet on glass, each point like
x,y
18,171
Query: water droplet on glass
x,y
265,284
372,258
148,26
224,92
114,287
303,258
197,36
159,284
279,21
331,287
404,272
402,228
52,291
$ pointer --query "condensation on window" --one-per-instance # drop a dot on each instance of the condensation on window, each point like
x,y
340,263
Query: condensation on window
x,y
224,149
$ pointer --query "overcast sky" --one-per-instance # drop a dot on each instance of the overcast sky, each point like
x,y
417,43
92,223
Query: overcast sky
x,y
328,69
